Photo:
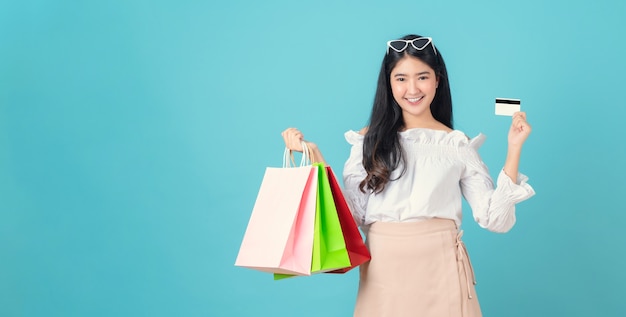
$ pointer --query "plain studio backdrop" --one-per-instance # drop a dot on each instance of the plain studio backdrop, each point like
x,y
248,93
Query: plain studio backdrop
x,y
134,135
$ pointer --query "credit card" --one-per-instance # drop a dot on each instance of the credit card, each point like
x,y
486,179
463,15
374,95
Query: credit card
x,y
507,106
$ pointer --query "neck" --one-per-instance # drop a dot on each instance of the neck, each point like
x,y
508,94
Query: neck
x,y
425,121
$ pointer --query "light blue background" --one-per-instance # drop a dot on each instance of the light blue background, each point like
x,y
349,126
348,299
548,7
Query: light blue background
x,y
134,135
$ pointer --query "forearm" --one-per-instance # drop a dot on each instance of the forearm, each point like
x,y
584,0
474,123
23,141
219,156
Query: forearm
x,y
511,165
315,153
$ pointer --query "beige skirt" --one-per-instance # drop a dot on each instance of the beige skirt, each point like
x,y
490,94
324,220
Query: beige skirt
x,y
417,269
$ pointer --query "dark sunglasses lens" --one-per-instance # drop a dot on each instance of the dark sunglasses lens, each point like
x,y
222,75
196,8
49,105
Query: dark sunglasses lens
x,y
420,44
398,45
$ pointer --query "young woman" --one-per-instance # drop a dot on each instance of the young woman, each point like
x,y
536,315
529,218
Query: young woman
x,y
404,180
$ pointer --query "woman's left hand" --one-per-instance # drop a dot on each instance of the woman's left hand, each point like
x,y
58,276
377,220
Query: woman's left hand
x,y
520,129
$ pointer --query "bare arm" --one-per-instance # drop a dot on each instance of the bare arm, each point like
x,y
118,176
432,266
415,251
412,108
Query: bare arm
x,y
520,129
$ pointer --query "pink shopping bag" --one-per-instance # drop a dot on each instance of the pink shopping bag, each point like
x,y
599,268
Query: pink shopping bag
x,y
279,236
330,249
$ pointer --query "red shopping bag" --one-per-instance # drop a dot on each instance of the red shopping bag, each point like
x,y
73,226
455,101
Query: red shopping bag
x,y
279,236
357,251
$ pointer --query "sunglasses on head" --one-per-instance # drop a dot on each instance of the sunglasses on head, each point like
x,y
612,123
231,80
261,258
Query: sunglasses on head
x,y
418,43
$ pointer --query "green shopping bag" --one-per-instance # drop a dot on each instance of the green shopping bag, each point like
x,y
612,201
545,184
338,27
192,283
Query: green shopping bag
x,y
329,247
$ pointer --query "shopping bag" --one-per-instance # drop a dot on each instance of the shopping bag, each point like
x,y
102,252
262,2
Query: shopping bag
x,y
329,247
280,232
357,251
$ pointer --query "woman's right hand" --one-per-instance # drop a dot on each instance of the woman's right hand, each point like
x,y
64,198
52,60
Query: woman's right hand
x,y
293,139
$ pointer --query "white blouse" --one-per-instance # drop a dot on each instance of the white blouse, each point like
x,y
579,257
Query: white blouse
x,y
441,168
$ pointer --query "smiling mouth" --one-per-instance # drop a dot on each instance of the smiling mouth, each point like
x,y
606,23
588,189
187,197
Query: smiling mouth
x,y
414,99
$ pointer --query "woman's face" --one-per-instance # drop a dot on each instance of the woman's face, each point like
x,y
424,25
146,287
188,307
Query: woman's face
x,y
413,84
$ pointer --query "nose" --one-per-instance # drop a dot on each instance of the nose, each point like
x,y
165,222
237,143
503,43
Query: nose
x,y
413,87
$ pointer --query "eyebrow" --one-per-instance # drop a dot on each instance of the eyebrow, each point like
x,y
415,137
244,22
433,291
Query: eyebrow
x,y
426,72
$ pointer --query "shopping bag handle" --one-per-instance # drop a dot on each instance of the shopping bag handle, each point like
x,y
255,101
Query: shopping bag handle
x,y
288,160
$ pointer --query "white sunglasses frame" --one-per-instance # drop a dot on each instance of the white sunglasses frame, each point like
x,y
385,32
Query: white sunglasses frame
x,y
412,42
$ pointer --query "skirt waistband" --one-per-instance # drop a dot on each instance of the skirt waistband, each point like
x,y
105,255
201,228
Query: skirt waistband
x,y
413,228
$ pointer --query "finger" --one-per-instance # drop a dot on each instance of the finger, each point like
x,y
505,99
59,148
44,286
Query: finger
x,y
523,126
295,134
294,139
291,131
288,137
287,134
519,115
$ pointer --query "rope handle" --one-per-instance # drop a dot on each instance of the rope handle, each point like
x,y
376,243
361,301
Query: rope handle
x,y
288,158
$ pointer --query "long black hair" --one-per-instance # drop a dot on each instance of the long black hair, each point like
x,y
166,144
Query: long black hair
x,y
382,151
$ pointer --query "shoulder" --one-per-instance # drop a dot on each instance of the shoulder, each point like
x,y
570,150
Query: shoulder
x,y
355,138
442,127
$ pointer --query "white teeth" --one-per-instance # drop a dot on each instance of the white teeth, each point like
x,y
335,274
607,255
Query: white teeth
x,y
414,99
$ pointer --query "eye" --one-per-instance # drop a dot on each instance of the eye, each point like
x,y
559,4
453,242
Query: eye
x,y
423,78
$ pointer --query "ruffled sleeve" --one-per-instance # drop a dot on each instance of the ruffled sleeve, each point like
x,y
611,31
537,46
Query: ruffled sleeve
x,y
493,208
353,174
